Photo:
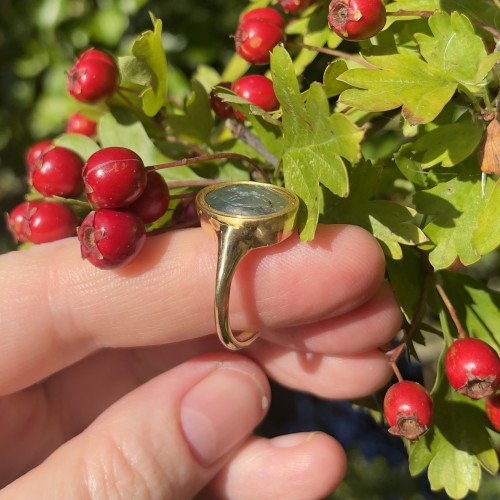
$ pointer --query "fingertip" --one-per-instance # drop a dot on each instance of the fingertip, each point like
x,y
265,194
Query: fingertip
x,y
294,466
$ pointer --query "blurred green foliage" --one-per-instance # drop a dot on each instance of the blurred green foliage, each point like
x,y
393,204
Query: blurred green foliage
x,y
40,39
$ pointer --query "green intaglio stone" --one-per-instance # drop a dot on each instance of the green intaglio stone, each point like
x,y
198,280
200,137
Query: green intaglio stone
x,y
247,199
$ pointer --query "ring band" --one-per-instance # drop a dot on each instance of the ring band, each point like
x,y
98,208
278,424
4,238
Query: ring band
x,y
243,216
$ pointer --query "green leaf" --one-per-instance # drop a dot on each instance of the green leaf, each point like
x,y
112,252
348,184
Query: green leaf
x,y
446,145
331,84
409,269
454,208
197,121
312,152
148,68
484,11
124,130
389,222
81,144
445,49
401,80
486,236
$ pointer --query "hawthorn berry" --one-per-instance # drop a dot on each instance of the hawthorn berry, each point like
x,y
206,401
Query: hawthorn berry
x,y
256,38
492,407
41,221
408,409
221,108
58,172
33,153
111,238
93,77
356,19
185,213
295,5
153,202
258,90
80,124
114,177
472,367
265,13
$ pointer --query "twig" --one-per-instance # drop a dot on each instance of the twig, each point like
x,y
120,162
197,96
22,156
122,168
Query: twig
x,y
333,52
451,310
241,132
191,183
395,352
210,157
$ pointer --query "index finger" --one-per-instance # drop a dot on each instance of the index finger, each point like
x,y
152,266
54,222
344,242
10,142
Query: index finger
x,y
56,308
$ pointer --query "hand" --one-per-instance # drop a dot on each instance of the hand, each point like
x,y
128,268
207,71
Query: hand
x,y
115,386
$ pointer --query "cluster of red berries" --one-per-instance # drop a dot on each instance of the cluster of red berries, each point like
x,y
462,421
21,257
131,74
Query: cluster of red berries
x,y
123,194
472,367
261,29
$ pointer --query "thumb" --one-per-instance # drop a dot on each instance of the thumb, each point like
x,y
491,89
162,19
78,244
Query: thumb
x,y
166,439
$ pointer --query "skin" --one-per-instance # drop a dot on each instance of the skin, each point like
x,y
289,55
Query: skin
x,y
113,384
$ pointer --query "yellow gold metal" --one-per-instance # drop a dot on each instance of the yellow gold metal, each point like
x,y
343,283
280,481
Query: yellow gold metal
x,y
265,215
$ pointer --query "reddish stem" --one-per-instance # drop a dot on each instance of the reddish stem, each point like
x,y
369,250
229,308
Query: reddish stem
x,y
396,371
333,52
451,310
210,157
182,196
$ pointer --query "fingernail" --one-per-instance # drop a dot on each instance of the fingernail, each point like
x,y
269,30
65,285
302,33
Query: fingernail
x,y
291,440
221,410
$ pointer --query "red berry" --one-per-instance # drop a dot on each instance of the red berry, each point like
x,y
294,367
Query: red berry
x,y
221,108
41,222
266,13
114,177
408,409
93,77
18,220
110,238
33,153
258,90
493,410
295,5
256,38
356,19
81,124
472,367
185,213
153,202
58,172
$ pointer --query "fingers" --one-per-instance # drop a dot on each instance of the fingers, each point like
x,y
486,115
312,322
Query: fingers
x,y
363,329
167,439
38,419
65,308
341,377
295,466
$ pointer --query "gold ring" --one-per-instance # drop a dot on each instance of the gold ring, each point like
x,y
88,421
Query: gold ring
x,y
243,216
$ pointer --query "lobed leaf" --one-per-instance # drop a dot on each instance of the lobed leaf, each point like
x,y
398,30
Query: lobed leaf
x,y
445,48
148,68
312,155
399,80
454,209
486,236
447,145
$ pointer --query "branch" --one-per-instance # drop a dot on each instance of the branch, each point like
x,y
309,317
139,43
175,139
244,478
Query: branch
x,y
210,157
451,310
